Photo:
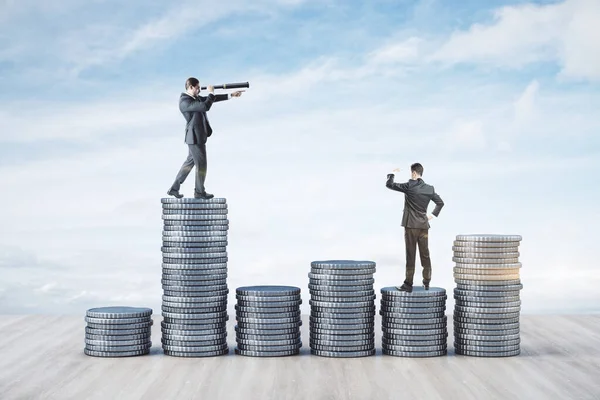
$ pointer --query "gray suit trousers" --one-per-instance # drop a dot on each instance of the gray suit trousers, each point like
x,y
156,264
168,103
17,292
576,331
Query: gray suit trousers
x,y
196,157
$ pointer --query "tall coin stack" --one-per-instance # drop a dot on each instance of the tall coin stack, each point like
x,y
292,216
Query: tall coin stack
x,y
487,309
118,331
268,321
414,324
194,277
342,316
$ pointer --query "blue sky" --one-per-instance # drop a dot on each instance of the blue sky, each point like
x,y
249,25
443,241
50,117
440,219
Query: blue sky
x,y
498,101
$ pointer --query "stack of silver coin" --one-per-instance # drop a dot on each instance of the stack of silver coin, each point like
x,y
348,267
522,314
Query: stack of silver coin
x,y
488,305
118,331
194,277
268,321
342,316
414,324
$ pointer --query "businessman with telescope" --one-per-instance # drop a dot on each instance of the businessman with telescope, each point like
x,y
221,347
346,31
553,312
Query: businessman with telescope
x,y
197,129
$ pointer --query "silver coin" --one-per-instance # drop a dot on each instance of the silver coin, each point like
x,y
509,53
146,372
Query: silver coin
x,y
343,310
182,230
119,312
483,290
196,354
220,245
288,347
392,347
195,345
118,332
415,354
268,299
194,338
171,251
480,261
343,354
268,321
359,273
486,316
342,264
189,200
193,217
487,283
421,326
183,224
488,238
188,326
268,291
461,337
341,337
215,315
486,348
459,320
417,291
194,333
466,352
349,304
266,335
117,321
194,211
416,321
258,331
362,344
485,344
395,309
202,265
349,316
198,310
195,349
339,284
266,310
498,326
249,353
265,305
170,273
116,353
267,343
335,278
482,255
417,340
477,333
465,303
400,316
347,332
194,206
342,349
261,316
195,278
487,265
414,332
486,310
117,343
111,349
481,248
342,299
400,302
171,284
205,322
340,327
194,235
340,322
337,294
276,327
118,338
341,289
489,271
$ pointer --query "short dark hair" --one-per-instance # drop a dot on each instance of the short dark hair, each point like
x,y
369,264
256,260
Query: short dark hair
x,y
191,82
418,168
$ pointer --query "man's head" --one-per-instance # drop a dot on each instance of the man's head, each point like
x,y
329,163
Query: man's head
x,y
416,171
192,86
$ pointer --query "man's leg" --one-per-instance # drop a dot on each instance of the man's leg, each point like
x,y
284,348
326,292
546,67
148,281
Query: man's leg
x,y
410,240
198,152
187,166
423,242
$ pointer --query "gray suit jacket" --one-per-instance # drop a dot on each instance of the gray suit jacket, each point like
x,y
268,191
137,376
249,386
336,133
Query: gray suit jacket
x,y
418,194
197,128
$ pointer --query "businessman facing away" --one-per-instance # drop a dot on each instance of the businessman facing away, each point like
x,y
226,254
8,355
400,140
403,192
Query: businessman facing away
x,y
417,195
197,130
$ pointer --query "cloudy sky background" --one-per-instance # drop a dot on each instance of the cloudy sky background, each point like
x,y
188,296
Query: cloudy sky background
x,y
498,100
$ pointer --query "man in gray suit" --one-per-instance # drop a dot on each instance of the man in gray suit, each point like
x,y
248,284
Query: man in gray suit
x,y
417,195
197,130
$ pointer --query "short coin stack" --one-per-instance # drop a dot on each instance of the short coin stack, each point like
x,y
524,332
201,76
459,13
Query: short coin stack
x,y
268,321
486,314
414,324
118,331
342,316
194,277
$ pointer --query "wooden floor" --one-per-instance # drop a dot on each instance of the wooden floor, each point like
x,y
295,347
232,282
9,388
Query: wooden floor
x,y
41,357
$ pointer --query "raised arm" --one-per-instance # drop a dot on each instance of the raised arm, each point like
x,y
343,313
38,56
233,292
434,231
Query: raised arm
x,y
221,97
438,203
400,187
193,105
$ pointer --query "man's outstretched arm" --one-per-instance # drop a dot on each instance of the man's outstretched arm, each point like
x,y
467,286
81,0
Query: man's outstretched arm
x,y
400,187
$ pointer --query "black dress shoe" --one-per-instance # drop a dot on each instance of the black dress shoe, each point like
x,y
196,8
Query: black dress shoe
x,y
203,195
426,285
405,288
173,192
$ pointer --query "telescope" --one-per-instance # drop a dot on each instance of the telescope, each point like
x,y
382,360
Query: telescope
x,y
229,86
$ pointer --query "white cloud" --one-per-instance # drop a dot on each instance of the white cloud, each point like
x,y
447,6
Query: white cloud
x,y
564,32
525,105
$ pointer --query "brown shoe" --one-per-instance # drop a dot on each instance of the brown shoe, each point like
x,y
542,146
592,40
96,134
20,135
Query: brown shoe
x,y
405,288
